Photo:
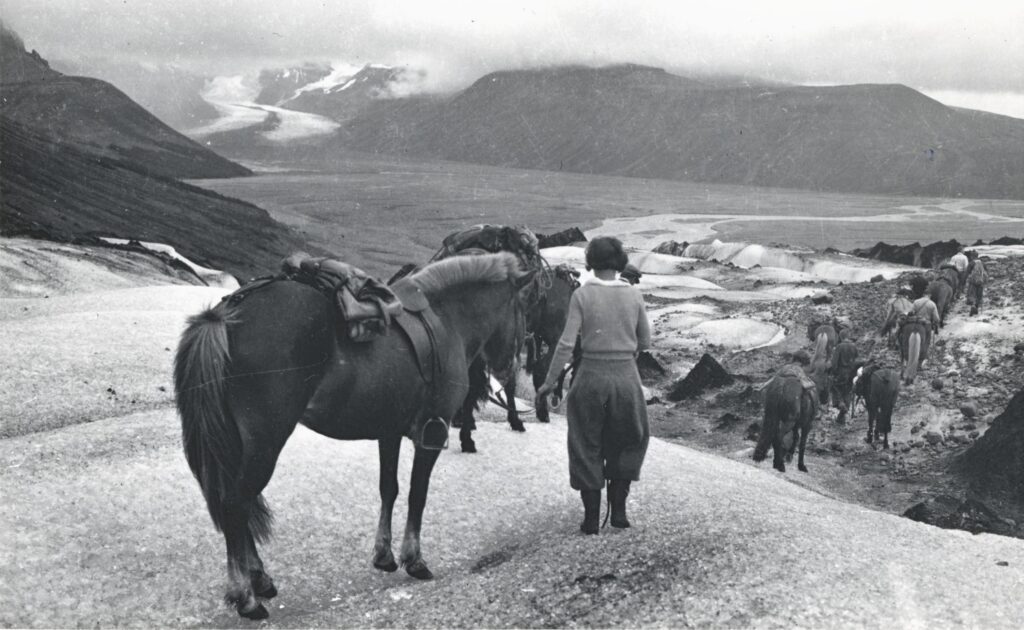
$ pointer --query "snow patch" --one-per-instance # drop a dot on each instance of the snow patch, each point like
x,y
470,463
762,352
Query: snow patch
x,y
211,277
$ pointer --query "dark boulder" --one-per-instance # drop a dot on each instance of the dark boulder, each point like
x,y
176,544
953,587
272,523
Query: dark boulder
x,y
915,255
707,374
565,237
727,421
995,463
822,298
968,515
1007,240
672,248
649,367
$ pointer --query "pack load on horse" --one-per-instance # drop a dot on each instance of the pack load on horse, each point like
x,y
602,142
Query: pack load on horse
x,y
791,402
878,387
278,352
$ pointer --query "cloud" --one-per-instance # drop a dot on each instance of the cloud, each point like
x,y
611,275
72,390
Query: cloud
x,y
977,46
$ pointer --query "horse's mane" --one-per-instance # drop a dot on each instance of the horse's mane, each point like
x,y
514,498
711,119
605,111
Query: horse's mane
x,y
458,270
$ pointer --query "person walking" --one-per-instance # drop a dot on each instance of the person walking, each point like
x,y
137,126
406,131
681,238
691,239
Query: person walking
x,y
977,277
843,368
605,407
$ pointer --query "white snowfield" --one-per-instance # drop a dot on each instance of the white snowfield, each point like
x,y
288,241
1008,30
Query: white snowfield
x,y
212,277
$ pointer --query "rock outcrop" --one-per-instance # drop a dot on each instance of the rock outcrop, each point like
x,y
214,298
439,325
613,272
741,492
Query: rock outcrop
x,y
707,374
995,464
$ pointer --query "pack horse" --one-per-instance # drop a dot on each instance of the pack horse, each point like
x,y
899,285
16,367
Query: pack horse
x,y
270,356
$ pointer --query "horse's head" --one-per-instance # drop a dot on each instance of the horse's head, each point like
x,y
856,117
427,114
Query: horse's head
x,y
546,301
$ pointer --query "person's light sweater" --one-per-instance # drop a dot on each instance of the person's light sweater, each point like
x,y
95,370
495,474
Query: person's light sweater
x,y
611,320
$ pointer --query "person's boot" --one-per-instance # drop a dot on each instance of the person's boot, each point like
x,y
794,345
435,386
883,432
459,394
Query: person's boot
x,y
618,490
591,511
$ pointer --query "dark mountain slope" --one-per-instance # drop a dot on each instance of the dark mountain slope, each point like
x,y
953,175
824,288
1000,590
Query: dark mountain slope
x,y
644,122
98,117
96,114
56,190
16,64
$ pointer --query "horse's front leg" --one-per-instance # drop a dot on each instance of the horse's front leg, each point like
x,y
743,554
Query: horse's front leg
x,y
389,449
411,557
540,372
510,400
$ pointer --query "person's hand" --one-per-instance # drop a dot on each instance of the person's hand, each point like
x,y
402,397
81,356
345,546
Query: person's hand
x,y
540,400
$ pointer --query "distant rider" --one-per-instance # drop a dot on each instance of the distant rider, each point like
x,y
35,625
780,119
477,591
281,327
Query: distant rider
x,y
977,278
960,261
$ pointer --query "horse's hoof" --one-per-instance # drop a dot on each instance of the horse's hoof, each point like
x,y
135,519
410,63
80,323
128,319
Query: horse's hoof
x,y
802,468
518,426
543,417
780,467
258,612
387,567
419,571
468,447
263,586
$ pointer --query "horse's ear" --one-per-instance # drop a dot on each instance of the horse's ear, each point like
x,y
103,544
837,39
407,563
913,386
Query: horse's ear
x,y
525,279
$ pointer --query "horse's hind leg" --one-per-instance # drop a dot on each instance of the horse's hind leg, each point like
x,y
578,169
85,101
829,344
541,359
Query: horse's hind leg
x,y
411,556
792,447
240,592
777,453
389,449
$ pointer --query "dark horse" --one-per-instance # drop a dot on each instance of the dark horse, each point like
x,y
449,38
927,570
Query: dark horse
x,y
547,307
879,389
789,410
545,321
941,291
247,372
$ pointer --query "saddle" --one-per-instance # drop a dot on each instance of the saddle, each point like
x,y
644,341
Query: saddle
x,y
420,325
365,305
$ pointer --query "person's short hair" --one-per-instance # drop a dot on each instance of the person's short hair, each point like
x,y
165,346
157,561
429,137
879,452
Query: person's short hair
x,y
605,252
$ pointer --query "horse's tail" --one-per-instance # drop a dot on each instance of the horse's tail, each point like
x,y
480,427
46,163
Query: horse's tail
x,y
773,411
913,353
820,347
213,446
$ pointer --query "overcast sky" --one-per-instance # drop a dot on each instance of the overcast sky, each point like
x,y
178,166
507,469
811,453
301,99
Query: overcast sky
x,y
973,48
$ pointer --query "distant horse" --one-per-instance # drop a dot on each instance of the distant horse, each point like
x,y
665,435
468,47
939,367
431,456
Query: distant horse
x,y
879,389
825,339
915,338
546,321
789,411
247,371
941,292
950,274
